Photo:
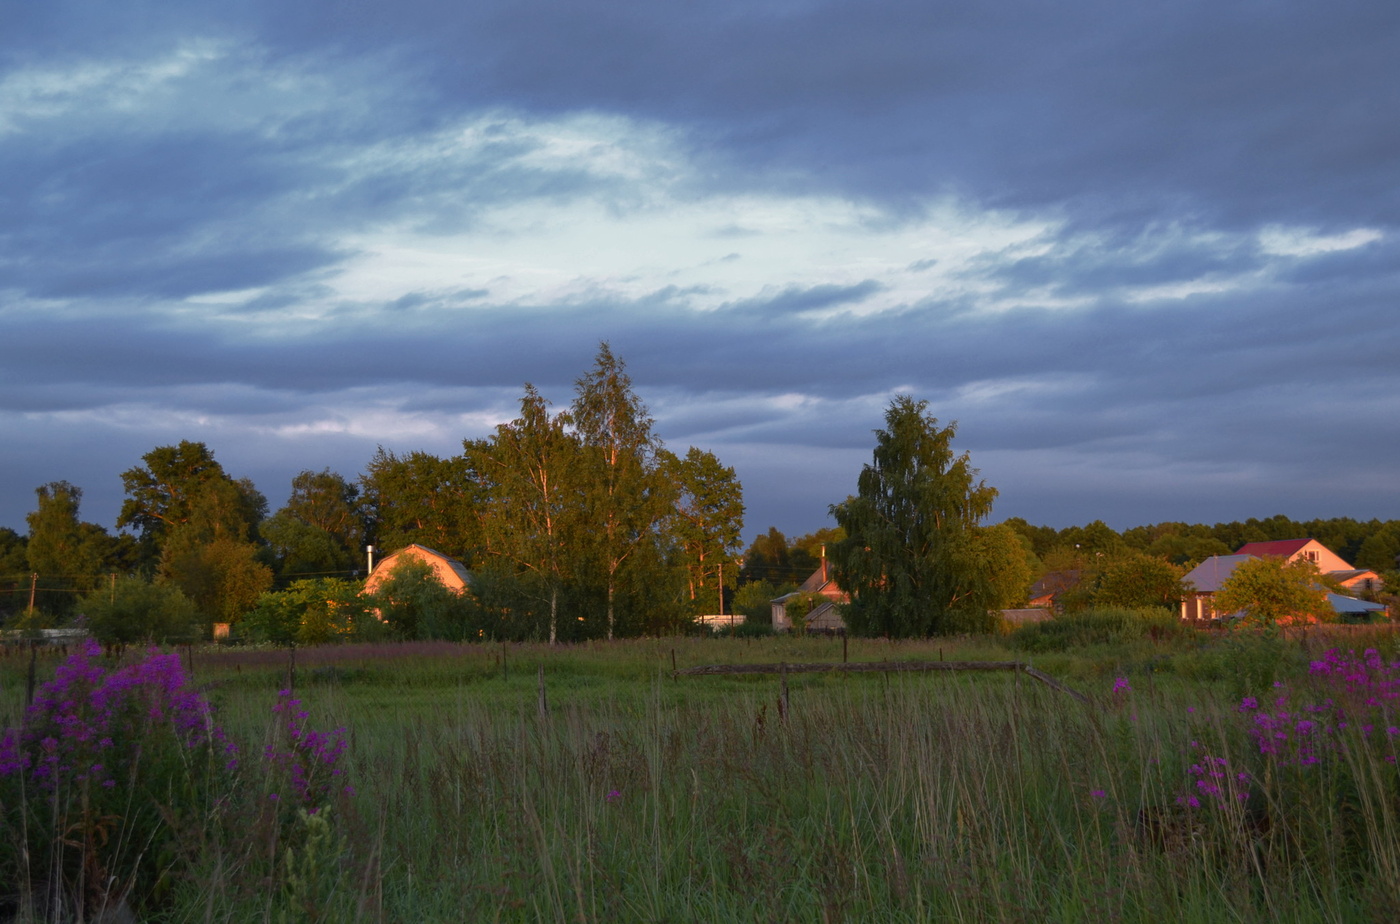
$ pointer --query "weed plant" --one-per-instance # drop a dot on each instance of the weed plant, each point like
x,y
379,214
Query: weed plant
x,y
636,796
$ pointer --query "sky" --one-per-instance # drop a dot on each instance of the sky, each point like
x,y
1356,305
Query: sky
x,y
1146,255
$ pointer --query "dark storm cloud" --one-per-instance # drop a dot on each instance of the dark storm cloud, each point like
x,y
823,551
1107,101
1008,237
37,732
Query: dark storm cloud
x,y
1240,112
1158,142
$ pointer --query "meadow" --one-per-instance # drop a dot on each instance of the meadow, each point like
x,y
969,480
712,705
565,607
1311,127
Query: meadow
x,y
1210,778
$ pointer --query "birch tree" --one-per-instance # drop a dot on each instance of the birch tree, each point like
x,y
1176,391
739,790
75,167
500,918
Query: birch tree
x,y
909,559
626,497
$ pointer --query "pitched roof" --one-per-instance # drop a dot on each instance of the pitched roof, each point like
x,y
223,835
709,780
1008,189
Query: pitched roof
x,y
1280,547
1343,604
1054,582
457,567
1214,571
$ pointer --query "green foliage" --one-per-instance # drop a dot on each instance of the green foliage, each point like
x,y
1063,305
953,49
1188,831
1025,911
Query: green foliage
x,y
1272,591
1107,626
768,559
1132,579
321,530
416,605
800,606
909,561
1381,550
203,526
310,612
184,484
707,525
223,577
132,609
755,601
420,498
67,554
624,486
14,571
532,518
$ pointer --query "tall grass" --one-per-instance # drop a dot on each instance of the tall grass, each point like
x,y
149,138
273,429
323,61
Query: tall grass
x,y
894,798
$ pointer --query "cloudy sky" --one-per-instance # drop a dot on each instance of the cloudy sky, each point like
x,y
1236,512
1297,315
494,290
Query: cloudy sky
x,y
1146,254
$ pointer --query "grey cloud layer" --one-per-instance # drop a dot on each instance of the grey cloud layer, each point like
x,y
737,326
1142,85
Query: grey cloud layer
x,y
1160,141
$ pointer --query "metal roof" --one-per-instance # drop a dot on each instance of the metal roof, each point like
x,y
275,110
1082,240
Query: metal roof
x,y
1214,571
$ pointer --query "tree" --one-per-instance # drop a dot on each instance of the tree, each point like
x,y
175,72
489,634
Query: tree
x,y
767,560
908,560
709,520
14,571
321,530
416,605
222,576
532,512
1381,550
173,485
755,601
203,524
1274,591
420,498
132,609
66,553
1001,555
626,496
1134,580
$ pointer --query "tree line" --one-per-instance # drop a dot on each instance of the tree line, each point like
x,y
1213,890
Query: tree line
x,y
913,550
576,523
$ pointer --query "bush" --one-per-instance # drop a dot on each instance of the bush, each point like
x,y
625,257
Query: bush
x,y
134,610
98,775
118,788
311,612
755,601
416,605
1099,627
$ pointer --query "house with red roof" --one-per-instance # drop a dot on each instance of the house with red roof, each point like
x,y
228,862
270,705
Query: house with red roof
x,y
1207,577
1327,561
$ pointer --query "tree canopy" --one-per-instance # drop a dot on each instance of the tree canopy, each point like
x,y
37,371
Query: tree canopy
x,y
1274,591
910,559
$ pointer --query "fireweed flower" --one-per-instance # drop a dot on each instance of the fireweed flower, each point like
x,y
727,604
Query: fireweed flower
x,y
1121,685
308,759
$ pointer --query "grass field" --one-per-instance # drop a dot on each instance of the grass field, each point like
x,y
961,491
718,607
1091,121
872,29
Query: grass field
x,y
639,796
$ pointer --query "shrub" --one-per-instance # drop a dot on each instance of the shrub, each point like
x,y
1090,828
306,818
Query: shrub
x,y
133,610
1098,627
98,781
118,786
310,612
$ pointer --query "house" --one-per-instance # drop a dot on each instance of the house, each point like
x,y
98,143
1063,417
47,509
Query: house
x,y
1328,562
1046,593
1207,577
1203,581
451,572
822,618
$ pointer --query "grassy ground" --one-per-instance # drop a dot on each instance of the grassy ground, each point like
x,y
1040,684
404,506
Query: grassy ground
x,y
889,797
